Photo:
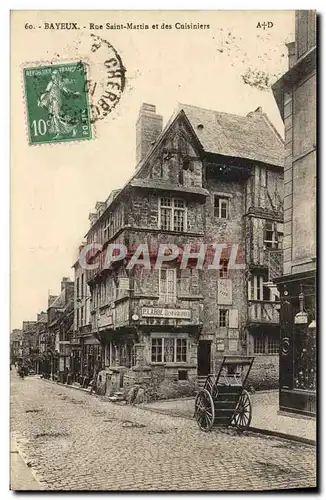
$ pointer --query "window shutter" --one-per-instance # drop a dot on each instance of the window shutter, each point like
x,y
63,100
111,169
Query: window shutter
x,y
183,281
138,280
195,281
233,318
154,280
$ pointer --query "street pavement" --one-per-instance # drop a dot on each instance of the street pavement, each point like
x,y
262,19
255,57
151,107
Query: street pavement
x,y
74,441
265,414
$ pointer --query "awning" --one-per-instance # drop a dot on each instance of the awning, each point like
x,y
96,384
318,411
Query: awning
x,y
91,341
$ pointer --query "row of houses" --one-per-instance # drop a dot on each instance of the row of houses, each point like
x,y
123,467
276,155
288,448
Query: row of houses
x,y
207,180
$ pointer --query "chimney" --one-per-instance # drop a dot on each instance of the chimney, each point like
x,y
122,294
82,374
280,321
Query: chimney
x,y
291,53
257,110
92,218
81,246
148,128
64,282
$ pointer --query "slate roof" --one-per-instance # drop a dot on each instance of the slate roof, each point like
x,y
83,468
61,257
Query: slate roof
x,y
60,301
251,137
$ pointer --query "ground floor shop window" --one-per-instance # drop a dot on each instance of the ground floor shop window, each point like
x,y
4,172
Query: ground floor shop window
x,y
92,355
127,355
169,350
121,355
305,358
266,344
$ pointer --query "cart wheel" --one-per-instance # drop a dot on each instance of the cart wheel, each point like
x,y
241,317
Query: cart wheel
x,y
243,412
204,410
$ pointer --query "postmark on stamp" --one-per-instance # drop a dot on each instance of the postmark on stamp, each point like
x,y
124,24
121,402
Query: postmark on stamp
x,y
58,106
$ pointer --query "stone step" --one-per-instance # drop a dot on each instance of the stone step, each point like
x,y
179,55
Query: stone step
x,y
119,396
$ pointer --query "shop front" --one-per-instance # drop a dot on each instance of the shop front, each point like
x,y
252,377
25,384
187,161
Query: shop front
x,y
298,360
92,358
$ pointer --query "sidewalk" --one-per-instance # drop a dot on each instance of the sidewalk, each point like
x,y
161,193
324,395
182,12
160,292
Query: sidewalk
x,y
264,415
21,478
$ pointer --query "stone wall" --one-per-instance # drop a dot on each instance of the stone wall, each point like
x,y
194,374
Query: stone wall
x,y
264,373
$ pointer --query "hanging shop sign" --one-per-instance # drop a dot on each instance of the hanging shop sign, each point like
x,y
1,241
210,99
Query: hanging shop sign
x,y
301,318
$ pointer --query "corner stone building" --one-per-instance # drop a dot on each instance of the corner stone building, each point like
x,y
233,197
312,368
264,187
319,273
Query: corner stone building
x,y
212,178
295,94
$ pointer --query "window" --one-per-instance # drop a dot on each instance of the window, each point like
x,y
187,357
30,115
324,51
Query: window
x,y
167,285
266,344
77,288
182,375
224,269
259,345
157,345
223,318
256,288
181,350
270,235
172,214
221,207
169,350
273,345
82,292
263,176
304,351
77,318
82,316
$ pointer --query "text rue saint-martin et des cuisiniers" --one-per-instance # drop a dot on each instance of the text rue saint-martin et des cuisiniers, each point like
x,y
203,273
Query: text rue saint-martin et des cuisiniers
x,y
124,26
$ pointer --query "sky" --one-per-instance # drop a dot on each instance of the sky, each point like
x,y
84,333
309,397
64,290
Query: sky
x,y
54,187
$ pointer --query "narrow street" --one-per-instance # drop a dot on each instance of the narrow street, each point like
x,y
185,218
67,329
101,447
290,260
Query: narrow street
x,y
74,441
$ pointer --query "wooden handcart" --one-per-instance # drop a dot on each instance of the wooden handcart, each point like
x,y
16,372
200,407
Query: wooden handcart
x,y
224,401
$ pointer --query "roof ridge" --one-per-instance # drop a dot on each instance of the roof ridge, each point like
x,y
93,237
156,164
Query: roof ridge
x,y
276,132
212,110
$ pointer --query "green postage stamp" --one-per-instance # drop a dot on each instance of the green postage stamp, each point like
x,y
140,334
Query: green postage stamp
x,y
57,103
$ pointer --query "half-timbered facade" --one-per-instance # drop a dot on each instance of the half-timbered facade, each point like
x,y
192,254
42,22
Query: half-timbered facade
x,y
208,179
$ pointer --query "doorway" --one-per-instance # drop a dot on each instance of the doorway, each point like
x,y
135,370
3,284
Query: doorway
x,y
204,357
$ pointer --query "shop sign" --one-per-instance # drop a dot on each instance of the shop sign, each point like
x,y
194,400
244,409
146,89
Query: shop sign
x,y
224,291
220,345
233,345
162,312
301,318
233,334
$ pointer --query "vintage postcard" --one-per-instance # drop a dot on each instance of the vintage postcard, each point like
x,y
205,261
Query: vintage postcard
x,y
163,250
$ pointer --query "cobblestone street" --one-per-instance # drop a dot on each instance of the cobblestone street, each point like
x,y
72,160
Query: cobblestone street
x,y
74,441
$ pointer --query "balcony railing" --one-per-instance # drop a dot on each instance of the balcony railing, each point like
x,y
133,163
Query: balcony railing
x,y
263,312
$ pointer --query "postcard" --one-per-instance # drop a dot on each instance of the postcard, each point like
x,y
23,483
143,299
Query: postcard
x,y
163,250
